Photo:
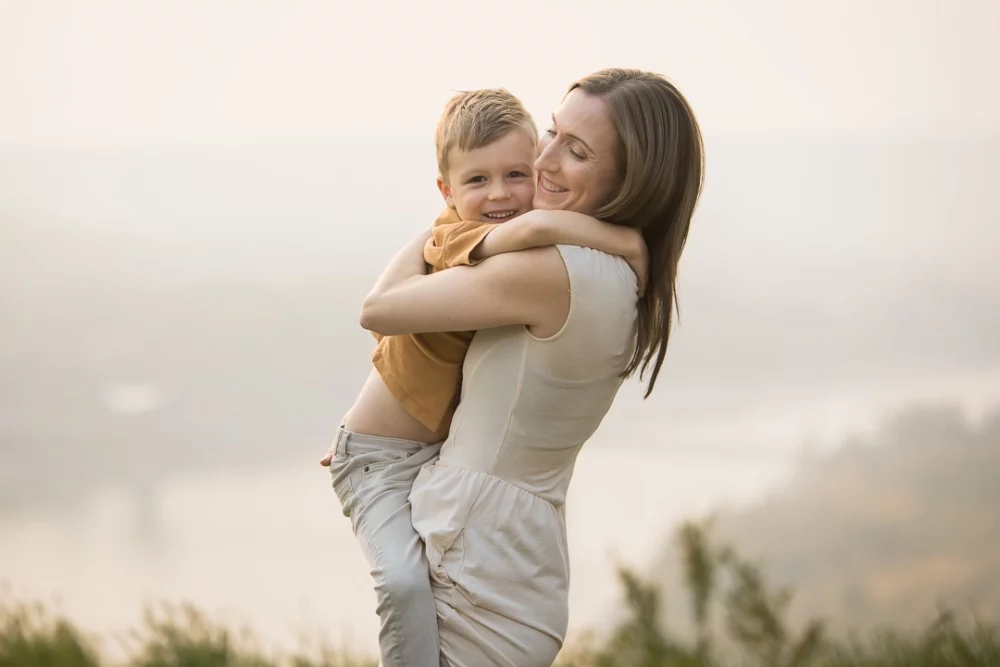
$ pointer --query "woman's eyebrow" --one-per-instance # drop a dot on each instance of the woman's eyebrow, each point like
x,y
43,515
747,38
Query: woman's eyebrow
x,y
572,136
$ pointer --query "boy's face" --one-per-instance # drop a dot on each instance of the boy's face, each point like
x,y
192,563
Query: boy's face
x,y
494,183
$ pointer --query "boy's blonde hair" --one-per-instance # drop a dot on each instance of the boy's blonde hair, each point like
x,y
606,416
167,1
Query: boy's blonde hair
x,y
477,118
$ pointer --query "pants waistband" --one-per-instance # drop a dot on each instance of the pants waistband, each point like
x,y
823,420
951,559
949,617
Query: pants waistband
x,y
349,442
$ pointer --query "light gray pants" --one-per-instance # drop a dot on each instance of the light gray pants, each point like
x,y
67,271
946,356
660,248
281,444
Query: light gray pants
x,y
372,477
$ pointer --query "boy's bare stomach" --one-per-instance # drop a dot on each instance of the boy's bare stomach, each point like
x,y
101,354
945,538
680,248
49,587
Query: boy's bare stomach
x,y
377,412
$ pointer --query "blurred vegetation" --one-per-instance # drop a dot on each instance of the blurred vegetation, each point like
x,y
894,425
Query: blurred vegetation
x,y
754,631
882,527
173,636
880,533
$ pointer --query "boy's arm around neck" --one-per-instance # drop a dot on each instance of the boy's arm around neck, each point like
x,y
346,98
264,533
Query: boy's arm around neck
x,y
457,242
539,228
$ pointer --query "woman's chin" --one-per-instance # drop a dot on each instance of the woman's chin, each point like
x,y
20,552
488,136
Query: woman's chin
x,y
546,203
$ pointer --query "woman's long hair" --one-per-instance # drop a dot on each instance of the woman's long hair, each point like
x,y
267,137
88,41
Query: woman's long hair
x,y
661,165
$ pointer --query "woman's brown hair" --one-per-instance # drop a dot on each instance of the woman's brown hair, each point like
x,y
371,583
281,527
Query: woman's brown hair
x,y
661,163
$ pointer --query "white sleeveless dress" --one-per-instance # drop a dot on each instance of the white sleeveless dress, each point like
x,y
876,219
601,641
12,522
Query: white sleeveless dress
x,y
491,509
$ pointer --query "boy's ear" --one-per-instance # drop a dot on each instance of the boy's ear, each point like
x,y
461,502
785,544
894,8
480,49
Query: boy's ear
x,y
445,192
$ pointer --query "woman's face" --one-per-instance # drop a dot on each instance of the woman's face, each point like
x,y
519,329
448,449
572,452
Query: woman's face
x,y
576,164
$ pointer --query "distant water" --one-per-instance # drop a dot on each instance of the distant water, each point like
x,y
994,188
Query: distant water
x,y
271,548
268,547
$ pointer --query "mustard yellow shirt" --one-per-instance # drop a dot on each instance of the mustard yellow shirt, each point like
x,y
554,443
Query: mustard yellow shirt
x,y
423,371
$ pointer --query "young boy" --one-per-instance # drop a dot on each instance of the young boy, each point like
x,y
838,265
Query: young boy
x,y
485,144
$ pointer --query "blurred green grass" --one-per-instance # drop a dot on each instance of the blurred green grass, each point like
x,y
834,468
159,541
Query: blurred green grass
x,y
740,621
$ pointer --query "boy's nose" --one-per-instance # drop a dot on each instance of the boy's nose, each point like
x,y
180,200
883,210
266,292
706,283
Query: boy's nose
x,y
499,192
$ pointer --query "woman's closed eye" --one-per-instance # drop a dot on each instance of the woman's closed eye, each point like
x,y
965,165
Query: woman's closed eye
x,y
576,154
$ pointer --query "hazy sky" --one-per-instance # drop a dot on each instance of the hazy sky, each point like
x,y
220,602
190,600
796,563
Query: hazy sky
x,y
112,73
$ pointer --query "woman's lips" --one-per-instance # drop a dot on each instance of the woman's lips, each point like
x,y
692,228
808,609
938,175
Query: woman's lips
x,y
549,186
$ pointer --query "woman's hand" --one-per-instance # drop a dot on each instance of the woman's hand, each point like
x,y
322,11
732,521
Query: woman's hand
x,y
419,241
406,264
414,252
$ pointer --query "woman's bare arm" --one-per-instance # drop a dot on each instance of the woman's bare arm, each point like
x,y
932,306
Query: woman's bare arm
x,y
529,287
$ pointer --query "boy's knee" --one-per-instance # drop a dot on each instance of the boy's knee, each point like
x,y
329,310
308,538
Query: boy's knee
x,y
409,585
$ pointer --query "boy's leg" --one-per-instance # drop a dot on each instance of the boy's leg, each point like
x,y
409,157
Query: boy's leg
x,y
372,477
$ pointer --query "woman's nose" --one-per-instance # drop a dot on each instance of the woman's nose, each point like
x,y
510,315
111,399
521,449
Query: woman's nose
x,y
545,160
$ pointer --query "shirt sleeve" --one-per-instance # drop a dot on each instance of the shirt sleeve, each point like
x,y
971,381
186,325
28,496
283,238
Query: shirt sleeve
x,y
453,240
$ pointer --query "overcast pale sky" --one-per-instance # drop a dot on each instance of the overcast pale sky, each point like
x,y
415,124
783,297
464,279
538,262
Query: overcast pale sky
x,y
117,73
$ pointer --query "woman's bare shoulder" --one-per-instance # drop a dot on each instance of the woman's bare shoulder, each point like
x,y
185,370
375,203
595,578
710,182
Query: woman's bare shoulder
x,y
544,263
541,281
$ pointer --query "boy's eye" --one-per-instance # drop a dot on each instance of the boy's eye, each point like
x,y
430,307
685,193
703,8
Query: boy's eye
x,y
516,174
477,179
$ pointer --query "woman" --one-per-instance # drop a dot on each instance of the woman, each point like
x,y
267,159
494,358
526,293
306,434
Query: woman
x,y
559,328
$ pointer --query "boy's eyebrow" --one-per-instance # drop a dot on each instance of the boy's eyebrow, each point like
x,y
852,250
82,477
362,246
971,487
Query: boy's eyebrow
x,y
573,136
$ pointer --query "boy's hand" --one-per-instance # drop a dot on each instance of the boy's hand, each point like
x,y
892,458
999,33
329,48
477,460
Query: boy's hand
x,y
328,459
638,259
